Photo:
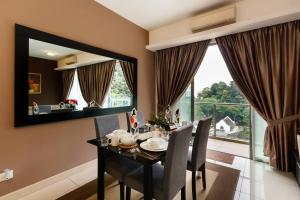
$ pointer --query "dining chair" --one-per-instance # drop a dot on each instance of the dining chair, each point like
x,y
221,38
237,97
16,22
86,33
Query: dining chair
x,y
117,166
139,117
197,156
168,179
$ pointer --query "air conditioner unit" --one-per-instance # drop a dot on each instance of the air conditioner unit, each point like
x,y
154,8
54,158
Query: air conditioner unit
x,y
215,18
68,60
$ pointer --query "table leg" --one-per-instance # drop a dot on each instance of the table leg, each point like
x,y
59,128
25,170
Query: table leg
x,y
147,182
101,171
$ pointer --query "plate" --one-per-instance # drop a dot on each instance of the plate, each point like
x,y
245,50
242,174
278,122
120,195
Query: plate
x,y
145,145
123,146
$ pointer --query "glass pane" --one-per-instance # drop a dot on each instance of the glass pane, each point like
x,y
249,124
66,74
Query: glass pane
x,y
259,126
232,121
75,93
184,105
119,94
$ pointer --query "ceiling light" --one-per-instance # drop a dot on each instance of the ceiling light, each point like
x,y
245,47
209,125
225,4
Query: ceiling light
x,y
50,53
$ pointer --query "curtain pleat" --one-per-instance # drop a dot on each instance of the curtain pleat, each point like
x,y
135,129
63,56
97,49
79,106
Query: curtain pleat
x,y
67,81
95,79
128,72
265,65
174,69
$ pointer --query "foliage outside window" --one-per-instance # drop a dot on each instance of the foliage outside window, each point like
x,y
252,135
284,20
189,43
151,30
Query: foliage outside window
x,y
119,94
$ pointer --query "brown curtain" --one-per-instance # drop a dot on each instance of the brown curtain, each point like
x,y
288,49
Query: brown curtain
x,y
265,65
67,81
175,68
128,71
95,79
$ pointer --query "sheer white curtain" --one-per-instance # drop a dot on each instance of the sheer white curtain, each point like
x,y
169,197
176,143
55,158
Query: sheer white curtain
x,y
75,93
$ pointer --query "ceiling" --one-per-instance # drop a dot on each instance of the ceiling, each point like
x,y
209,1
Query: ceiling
x,y
151,14
41,49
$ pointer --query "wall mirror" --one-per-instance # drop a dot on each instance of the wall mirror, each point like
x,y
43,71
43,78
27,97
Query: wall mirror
x,y
60,79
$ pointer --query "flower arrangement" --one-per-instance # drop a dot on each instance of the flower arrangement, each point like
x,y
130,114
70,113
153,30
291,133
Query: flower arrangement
x,y
160,120
71,103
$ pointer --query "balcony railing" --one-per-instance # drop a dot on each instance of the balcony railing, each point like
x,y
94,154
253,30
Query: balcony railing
x,y
231,121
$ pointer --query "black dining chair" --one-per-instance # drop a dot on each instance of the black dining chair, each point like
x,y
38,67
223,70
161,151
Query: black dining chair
x,y
139,117
117,166
168,179
197,156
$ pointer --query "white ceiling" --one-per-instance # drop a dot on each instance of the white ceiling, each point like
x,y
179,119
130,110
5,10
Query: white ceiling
x,y
151,14
39,49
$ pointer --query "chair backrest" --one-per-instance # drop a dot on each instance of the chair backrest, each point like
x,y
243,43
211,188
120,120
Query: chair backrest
x,y
176,161
139,118
200,143
44,108
106,124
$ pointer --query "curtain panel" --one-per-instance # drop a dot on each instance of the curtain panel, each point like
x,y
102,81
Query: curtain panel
x,y
95,79
174,70
265,65
67,81
128,71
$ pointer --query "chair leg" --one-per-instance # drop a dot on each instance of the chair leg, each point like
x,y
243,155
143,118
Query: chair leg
x,y
194,185
128,193
121,190
203,176
183,193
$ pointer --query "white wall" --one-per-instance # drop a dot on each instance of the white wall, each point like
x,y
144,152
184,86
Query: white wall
x,y
251,14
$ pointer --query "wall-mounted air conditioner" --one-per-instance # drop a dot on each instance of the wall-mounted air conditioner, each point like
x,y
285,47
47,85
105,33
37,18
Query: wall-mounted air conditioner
x,y
215,18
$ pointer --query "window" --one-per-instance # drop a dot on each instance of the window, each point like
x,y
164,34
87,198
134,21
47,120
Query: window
x,y
215,94
75,93
119,94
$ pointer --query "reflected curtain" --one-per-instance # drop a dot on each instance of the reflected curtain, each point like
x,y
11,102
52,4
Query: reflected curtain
x,y
67,81
265,65
174,70
128,72
95,79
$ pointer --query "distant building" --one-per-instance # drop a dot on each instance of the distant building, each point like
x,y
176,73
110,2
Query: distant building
x,y
226,124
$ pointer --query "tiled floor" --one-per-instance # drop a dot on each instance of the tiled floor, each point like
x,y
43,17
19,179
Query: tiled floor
x,y
229,147
259,181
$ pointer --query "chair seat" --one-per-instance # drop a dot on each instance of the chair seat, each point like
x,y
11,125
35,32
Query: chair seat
x,y
118,167
135,180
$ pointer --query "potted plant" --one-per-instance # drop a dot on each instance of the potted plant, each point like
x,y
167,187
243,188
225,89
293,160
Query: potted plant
x,y
160,120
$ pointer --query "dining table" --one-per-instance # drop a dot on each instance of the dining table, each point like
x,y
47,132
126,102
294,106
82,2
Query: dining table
x,y
145,158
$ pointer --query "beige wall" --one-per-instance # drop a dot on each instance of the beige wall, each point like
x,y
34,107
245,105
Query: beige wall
x,y
37,152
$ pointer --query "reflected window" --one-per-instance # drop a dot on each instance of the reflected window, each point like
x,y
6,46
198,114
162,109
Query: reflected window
x,y
75,93
119,94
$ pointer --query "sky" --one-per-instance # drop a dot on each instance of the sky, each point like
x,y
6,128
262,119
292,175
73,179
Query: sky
x,y
212,70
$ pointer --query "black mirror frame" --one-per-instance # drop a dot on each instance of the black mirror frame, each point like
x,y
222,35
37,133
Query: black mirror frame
x,y
22,36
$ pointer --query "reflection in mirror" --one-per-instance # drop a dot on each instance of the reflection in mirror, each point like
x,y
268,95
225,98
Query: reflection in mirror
x,y
62,79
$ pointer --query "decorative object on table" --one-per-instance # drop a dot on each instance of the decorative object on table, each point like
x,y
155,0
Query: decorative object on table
x,y
133,120
159,121
127,139
177,115
93,103
113,139
34,83
35,108
168,114
62,105
70,103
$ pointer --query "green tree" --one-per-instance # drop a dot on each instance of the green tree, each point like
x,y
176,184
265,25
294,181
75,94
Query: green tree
x,y
118,85
222,93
